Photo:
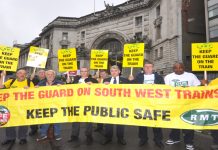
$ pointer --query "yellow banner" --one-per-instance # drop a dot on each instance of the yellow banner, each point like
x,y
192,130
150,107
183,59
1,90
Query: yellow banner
x,y
99,59
139,105
37,57
67,59
9,57
205,56
133,55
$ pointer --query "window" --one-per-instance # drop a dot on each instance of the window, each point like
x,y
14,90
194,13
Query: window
x,y
138,21
138,35
83,35
82,45
213,31
213,13
64,46
161,52
156,54
64,36
47,41
158,11
162,73
158,32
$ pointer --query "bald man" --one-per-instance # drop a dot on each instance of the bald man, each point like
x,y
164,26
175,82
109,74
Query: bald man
x,y
180,78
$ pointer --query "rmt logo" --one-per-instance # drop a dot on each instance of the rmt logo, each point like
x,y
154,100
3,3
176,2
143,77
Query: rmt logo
x,y
4,116
201,117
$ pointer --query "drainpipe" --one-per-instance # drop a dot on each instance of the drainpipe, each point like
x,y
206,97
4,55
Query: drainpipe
x,y
179,32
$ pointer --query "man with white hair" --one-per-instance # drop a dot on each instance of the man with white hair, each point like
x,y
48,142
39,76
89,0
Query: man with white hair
x,y
114,79
50,81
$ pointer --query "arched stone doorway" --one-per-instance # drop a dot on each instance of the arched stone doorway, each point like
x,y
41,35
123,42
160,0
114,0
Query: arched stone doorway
x,y
114,43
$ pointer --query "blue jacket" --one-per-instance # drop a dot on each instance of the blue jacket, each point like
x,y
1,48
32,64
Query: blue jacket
x,y
55,82
140,79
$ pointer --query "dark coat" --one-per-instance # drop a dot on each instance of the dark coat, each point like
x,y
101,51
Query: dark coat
x,y
55,82
121,80
89,79
140,79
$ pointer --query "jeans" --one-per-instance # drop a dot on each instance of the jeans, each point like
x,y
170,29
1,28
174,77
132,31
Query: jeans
x,y
44,129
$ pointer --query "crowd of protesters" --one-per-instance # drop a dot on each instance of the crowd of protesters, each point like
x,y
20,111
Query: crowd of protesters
x,y
179,77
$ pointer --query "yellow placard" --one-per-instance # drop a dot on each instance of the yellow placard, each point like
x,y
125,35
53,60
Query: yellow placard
x,y
67,59
99,59
37,57
133,55
9,57
154,105
205,56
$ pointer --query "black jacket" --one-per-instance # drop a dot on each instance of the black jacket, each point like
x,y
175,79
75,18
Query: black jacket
x,y
140,79
89,79
121,80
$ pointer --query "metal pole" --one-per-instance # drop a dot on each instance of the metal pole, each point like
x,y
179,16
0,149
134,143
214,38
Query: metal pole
x,y
207,28
206,20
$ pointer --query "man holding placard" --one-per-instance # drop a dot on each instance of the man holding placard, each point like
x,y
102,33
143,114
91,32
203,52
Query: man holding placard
x,y
149,77
20,82
114,79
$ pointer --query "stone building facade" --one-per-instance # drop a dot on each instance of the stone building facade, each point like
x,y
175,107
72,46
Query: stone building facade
x,y
213,20
212,28
167,27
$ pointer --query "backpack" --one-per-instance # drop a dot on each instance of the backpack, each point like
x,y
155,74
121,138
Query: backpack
x,y
28,82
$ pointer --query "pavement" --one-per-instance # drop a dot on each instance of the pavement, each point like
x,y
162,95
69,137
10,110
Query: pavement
x,y
202,141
